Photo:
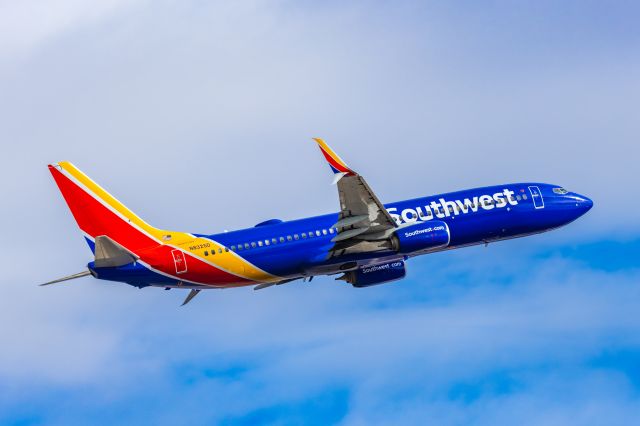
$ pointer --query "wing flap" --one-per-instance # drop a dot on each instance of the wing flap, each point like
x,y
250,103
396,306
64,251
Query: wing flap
x,y
357,199
350,220
350,233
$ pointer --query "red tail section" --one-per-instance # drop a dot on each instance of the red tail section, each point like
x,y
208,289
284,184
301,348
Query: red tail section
x,y
98,213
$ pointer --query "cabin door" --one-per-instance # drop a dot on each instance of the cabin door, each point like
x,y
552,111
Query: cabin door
x,y
536,196
180,261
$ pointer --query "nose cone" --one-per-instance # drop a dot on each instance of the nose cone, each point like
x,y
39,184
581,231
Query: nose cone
x,y
584,204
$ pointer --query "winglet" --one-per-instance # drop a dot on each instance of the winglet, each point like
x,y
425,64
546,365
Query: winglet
x,y
338,166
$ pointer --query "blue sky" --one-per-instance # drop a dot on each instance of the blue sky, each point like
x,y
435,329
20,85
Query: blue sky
x,y
198,116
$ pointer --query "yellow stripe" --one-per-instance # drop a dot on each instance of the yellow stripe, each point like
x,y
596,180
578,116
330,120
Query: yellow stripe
x,y
229,261
111,200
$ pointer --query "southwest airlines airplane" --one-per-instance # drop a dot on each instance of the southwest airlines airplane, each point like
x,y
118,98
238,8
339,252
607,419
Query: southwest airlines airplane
x,y
367,242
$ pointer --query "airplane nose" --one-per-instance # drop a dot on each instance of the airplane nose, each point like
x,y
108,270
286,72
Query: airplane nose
x,y
584,203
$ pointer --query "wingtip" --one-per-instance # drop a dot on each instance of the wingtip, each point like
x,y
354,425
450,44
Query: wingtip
x,y
59,165
322,145
335,162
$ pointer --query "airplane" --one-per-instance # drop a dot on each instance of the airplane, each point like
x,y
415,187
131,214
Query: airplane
x,y
366,243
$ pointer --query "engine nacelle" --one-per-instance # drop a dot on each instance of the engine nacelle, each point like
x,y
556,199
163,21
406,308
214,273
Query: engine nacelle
x,y
422,236
376,274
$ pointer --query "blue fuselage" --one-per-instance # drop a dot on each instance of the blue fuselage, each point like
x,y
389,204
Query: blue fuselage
x,y
299,248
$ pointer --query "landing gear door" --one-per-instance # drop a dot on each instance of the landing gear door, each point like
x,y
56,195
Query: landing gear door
x,y
536,196
180,261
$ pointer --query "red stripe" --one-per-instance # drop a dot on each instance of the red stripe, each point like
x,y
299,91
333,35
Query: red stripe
x,y
160,258
96,219
334,163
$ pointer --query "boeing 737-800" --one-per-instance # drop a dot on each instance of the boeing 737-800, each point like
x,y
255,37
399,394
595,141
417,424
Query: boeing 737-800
x,y
366,242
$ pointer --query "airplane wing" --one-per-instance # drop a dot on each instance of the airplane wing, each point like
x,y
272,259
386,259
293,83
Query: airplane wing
x,y
364,224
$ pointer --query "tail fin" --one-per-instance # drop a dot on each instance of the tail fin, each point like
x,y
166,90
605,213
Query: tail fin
x,y
98,213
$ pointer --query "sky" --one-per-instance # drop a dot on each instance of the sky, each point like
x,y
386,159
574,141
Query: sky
x,y
199,117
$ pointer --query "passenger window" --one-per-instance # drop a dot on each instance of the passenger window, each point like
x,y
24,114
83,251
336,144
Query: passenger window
x,y
253,245
331,230
310,234
324,232
260,243
282,239
239,247
246,246
233,248
304,235
524,196
289,238
206,253
318,233
225,249
274,241
266,242
296,236
518,197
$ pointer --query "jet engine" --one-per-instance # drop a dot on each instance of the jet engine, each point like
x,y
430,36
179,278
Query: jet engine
x,y
368,276
422,236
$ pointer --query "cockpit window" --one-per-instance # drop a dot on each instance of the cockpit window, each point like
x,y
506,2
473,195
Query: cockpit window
x,y
560,191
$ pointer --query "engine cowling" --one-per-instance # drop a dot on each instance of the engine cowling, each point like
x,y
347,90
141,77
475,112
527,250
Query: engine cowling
x,y
422,236
368,276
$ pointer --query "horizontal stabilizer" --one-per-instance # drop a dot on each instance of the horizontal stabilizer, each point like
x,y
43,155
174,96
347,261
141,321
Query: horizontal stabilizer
x,y
70,277
111,254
